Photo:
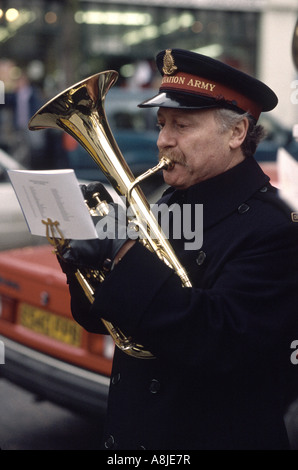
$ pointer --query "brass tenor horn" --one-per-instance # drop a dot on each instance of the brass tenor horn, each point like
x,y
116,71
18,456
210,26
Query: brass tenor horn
x,y
79,111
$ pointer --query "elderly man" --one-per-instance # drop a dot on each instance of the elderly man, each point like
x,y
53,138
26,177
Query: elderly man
x,y
221,346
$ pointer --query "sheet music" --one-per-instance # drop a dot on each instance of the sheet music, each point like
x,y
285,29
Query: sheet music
x,y
55,195
287,169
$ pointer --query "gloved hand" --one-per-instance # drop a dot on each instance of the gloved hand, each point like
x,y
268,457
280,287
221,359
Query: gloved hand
x,y
99,252
95,188
112,234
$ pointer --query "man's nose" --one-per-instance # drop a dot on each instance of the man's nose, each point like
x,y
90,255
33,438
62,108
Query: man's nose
x,y
165,138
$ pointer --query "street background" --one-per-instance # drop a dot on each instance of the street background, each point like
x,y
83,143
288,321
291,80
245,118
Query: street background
x,y
47,45
29,424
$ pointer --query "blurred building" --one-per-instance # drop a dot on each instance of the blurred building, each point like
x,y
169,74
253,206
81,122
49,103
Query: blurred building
x,y
58,42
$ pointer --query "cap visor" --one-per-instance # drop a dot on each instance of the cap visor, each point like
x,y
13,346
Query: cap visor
x,y
179,100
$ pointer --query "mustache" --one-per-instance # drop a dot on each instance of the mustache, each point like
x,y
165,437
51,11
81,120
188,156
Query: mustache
x,y
173,156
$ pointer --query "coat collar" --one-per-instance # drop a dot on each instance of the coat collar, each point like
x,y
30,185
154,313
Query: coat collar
x,y
222,194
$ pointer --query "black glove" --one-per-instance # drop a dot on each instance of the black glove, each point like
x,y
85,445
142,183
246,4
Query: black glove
x,y
99,252
112,234
95,188
66,267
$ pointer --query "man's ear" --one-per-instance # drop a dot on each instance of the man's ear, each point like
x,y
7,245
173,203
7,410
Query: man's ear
x,y
239,133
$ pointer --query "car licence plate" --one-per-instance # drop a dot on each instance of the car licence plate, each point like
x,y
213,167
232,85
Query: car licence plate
x,y
51,325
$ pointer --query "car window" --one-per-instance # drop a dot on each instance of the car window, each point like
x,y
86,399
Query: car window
x,y
123,112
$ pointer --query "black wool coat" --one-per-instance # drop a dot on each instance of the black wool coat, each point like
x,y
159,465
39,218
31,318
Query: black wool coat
x,y
221,371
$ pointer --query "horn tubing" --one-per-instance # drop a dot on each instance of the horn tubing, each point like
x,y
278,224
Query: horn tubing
x,y
79,111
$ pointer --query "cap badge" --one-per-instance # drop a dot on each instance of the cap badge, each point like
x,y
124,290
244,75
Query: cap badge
x,y
169,66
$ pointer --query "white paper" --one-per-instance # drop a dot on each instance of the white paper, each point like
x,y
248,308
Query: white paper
x,y
287,170
54,195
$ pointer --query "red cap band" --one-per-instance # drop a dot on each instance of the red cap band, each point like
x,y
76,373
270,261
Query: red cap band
x,y
206,88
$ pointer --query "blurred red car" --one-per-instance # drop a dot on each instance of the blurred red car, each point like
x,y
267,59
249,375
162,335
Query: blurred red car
x,y
46,351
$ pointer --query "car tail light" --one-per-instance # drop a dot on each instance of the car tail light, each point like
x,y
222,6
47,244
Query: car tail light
x,y
95,344
7,309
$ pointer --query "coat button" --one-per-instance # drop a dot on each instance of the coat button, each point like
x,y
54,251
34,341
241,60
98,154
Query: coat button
x,y
154,386
110,442
243,208
116,378
264,189
201,258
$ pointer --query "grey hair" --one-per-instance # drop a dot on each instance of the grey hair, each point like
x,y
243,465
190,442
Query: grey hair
x,y
227,118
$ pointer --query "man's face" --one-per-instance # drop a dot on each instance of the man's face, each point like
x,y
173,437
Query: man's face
x,y
194,141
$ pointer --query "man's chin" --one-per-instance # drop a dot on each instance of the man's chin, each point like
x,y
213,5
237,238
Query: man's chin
x,y
171,177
